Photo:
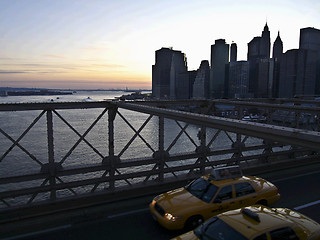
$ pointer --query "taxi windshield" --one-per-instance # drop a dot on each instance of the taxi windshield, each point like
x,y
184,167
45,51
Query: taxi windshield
x,y
216,229
202,189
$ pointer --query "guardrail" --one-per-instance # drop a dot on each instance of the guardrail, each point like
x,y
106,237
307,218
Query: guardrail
x,y
93,150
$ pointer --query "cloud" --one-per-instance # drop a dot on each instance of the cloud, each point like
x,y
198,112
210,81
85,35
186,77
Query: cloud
x,y
29,71
12,72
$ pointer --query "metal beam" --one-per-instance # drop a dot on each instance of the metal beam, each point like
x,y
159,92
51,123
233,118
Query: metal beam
x,y
286,135
53,105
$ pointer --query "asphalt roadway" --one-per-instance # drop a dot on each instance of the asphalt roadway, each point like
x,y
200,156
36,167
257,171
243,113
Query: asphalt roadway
x,y
299,189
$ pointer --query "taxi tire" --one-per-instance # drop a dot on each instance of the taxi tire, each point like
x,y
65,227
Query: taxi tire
x,y
193,222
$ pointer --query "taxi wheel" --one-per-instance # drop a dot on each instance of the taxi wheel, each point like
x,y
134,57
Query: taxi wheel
x,y
193,222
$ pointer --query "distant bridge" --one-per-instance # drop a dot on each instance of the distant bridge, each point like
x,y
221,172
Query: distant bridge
x,y
104,151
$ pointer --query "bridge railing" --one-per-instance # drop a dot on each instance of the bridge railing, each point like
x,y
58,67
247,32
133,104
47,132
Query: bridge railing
x,y
294,113
55,152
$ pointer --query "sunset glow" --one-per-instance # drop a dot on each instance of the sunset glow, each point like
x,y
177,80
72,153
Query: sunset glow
x,y
97,44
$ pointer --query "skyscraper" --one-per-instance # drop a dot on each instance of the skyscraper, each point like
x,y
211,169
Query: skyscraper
x,y
265,43
277,54
201,83
258,48
277,48
309,39
170,68
238,79
219,59
298,73
233,52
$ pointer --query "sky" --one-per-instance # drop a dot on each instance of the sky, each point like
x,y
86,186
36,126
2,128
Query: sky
x,y
107,44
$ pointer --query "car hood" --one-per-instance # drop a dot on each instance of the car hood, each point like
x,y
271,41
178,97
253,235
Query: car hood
x,y
179,200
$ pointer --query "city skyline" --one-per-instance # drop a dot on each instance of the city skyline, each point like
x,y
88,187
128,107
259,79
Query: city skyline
x,y
101,44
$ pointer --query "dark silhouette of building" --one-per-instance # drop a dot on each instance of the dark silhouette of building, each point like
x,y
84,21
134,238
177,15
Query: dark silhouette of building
x,y
299,68
277,53
265,78
265,43
309,39
219,59
201,83
169,74
238,79
258,48
233,52
277,48
285,75
298,73
192,77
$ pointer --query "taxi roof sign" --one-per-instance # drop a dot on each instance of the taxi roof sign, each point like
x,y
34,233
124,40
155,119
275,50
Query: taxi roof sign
x,y
226,172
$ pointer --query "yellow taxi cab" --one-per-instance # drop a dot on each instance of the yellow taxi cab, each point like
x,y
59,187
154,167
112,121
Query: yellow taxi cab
x,y
256,223
222,190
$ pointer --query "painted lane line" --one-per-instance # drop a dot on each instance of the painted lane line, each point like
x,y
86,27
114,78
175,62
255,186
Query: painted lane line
x,y
128,213
307,205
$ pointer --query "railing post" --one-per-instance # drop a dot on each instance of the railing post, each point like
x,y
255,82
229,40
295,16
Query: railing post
x,y
238,145
111,159
161,155
111,117
161,148
202,150
51,165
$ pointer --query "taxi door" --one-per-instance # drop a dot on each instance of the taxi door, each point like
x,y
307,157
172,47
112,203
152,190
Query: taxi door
x,y
245,194
224,200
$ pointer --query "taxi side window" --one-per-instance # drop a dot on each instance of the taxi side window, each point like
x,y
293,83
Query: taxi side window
x,y
225,193
261,237
285,233
208,195
243,188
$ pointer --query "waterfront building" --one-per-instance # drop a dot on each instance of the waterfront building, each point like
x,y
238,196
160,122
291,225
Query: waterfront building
x,y
309,39
238,79
233,52
277,53
300,68
219,59
258,48
182,86
298,73
167,73
277,50
265,43
265,78
201,83
192,78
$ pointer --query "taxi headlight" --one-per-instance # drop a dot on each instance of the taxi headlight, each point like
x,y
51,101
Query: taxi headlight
x,y
171,217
